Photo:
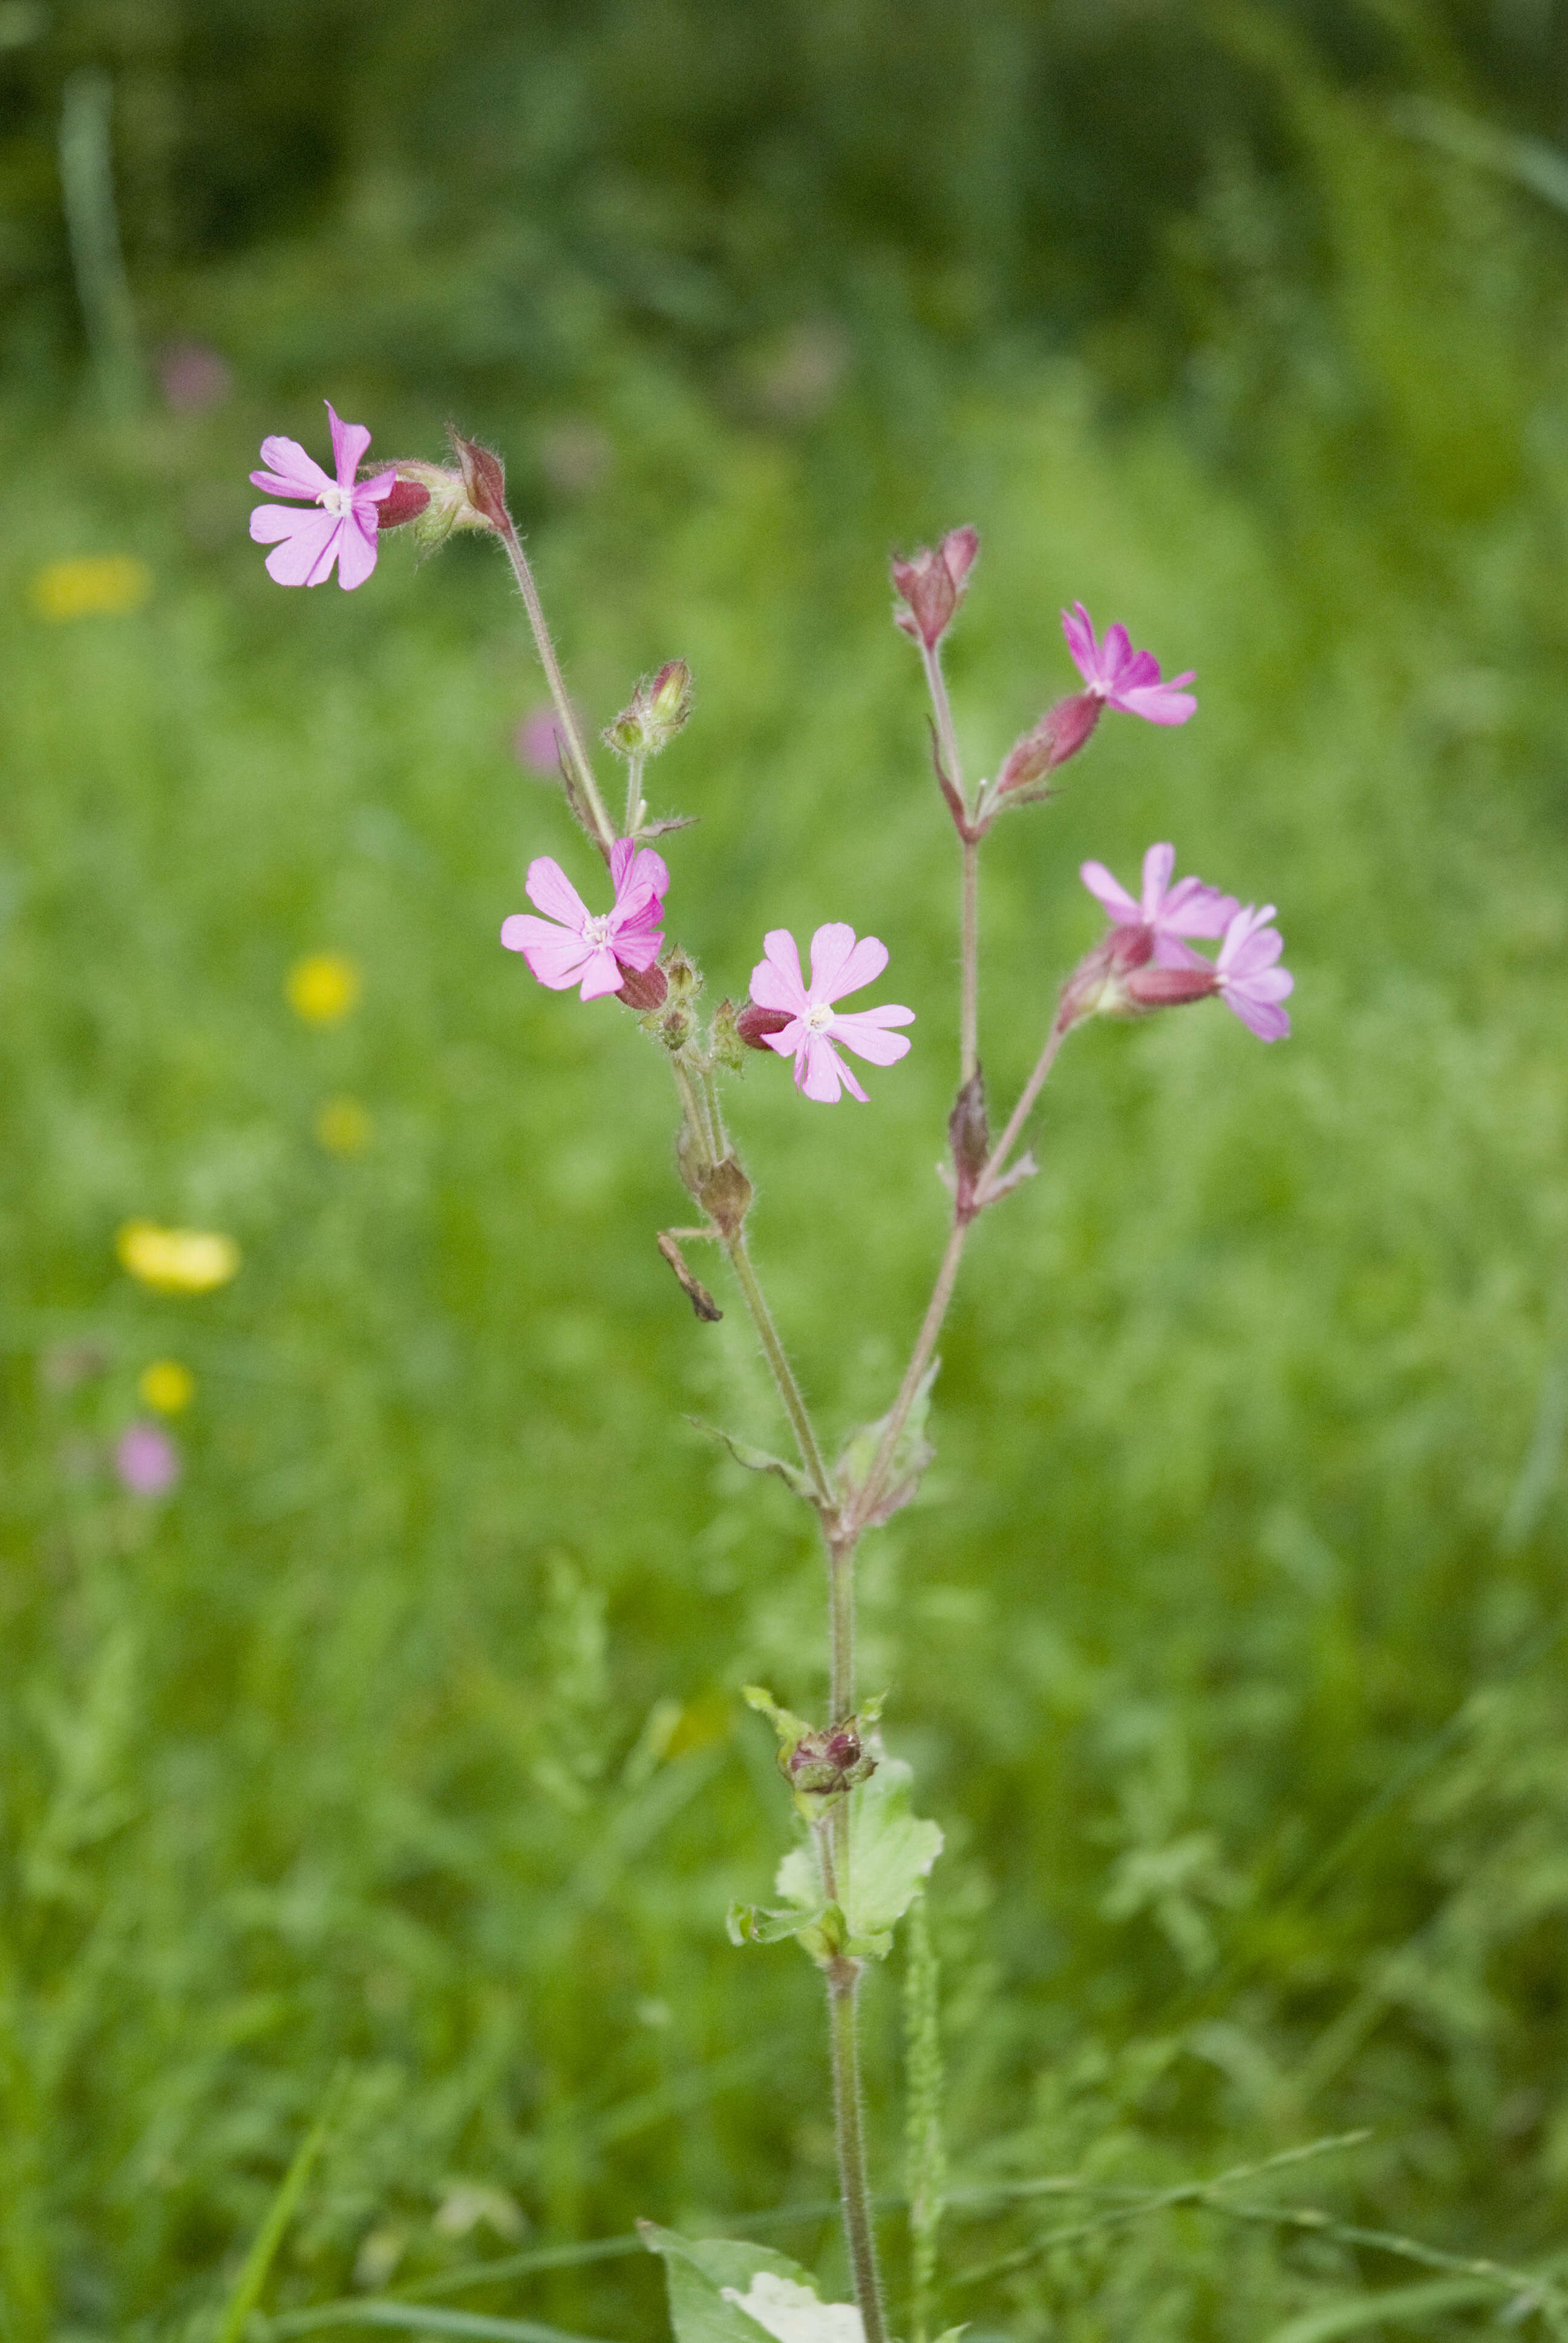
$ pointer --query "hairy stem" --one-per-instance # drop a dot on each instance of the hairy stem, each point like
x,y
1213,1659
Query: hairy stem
x,y
696,1108
789,1391
634,764
920,1360
969,965
576,755
936,684
841,1629
843,1978
1020,1115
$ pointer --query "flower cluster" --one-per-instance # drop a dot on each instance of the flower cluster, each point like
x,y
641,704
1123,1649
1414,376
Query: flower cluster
x,y
1146,961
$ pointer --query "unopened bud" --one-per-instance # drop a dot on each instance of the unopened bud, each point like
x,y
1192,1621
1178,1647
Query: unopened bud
x,y
654,714
969,1136
931,584
820,1763
685,980
406,502
484,480
1116,980
724,1037
643,989
753,1023
724,1191
1059,734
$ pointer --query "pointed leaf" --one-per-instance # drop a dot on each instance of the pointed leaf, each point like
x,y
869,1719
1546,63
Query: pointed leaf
x,y
696,2270
757,1460
891,1851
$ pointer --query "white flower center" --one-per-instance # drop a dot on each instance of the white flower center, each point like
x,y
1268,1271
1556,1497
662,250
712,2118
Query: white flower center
x,y
598,928
338,502
819,1018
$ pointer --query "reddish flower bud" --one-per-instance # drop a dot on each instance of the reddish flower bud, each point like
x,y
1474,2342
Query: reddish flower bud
x,y
931,584
1059,734
643,989
406,502
969,1137
484,480
753,1023
1116,980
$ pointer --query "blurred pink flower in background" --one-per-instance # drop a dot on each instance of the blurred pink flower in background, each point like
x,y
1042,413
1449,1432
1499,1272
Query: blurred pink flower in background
x,y
598,947
339,522
147,1461
1249,981
537,741
839,965
192,376
1122,677
1187,909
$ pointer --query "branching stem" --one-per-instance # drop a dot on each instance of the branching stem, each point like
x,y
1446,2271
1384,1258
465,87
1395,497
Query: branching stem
x,y
571,739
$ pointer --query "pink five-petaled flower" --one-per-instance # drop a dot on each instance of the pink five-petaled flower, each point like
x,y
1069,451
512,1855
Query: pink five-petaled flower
x,y
1122,677
839,965
1187,909
1249,981
339,521
598,947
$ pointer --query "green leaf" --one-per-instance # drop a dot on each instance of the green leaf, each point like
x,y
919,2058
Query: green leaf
x,y
891,1851
757,1460
752,1923
1393,2307
697,2270
912,1452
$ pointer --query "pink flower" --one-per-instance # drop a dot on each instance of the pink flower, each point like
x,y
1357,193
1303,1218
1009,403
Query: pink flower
x,y
147,1461
341,524
1249,981
599,946
1122,677
1187,909
839,965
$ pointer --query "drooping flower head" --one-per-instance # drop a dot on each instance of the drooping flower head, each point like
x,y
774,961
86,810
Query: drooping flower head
x,y
339,520
1187,909
1248,980
839,965
596,947
1123,677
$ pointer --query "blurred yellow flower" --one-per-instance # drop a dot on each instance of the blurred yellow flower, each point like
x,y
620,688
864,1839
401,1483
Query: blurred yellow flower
x,y
323,987
92,584
167,1386
176,1261
343,1126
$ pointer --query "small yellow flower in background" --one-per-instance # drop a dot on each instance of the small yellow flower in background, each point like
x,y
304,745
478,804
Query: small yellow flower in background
x,y
323,987
92,586
176,1261
167,1386
343,1126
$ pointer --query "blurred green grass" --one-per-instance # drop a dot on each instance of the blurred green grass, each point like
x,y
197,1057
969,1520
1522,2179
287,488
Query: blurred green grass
x,y
404,1737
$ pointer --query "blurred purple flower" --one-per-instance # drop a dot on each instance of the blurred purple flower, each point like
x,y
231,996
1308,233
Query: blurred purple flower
x,y
147,1461
1187,909
1122,677
193,378
1250,984
537,741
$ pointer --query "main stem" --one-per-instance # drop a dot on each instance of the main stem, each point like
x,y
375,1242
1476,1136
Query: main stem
x,y
576,755
843,1978
969,964
789,1391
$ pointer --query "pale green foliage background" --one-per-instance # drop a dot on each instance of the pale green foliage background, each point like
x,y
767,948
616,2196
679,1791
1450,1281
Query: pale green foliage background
x,y
404,1745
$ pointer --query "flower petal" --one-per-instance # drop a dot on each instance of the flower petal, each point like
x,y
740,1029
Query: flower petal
x,y
775,980
549,890
821,1074
839,964
1109,890
602,974
1158,864
308,542
1158,703
637,948
556,958
864,1031
378,488
357,548
1079,629
350,444
290,472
